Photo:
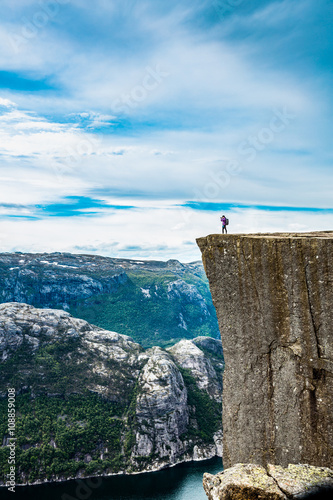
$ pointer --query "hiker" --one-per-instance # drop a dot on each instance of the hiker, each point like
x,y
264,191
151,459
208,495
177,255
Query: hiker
x,y
224,221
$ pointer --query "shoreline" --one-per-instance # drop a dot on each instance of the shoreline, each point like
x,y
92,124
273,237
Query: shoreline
x,y
164,467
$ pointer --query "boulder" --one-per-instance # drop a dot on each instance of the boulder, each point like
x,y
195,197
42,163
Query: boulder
x,y
252,482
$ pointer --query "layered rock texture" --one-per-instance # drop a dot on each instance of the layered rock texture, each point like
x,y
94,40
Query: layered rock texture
x,y
273,294
91,401
248,481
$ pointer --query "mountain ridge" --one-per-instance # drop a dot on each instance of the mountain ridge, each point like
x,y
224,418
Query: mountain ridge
x,y
157,303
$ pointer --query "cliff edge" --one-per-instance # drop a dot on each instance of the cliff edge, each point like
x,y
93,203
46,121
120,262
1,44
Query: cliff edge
x,y
273,294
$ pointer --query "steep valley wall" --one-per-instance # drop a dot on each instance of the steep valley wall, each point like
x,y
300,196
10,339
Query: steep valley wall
x,y
273,294
93,402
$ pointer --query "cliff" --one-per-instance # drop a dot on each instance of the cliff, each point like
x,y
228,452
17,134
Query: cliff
x,y
273,294
94,402
156,303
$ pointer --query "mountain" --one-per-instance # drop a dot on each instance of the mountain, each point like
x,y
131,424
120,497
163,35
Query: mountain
x,y
156,303
94,402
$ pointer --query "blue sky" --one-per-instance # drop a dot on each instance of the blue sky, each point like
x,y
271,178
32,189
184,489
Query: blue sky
x,y
128,126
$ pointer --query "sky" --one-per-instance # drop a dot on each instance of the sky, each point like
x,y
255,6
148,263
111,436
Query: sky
x,y
128,127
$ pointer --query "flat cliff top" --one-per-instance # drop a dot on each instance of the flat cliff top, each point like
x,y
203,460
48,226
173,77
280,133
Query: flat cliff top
x,y
219,238
273,296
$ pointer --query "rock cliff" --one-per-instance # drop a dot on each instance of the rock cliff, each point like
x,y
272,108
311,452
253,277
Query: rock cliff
x,y
91,401
273,294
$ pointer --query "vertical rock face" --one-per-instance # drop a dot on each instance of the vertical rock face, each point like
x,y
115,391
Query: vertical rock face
x,y
273,295
161,410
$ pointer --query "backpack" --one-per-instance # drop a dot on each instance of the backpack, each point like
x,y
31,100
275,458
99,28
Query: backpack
x,y
227,222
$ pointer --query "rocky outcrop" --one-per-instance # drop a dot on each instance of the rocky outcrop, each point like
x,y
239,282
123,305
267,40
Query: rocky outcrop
x,y
273,294
162,410
51,359
207,370
247,481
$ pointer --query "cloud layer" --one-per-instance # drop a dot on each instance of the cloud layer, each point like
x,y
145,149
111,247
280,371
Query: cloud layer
x,y
127,111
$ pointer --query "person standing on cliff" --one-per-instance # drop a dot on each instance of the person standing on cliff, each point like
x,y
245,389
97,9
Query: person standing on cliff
x,y
224,224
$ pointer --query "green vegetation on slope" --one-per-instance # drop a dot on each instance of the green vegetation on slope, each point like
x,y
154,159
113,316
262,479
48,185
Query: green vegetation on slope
x,y
206,411
64,428
156,303
153,320
62,435
58,368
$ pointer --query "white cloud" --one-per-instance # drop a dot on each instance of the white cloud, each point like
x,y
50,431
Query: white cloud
x,y
178,165
129,233
279,12
176,138
6,103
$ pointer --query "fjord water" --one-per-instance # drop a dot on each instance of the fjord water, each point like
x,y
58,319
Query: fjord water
x,y
183,482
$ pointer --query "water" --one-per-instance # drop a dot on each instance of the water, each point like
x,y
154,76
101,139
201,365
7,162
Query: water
x,y
183,482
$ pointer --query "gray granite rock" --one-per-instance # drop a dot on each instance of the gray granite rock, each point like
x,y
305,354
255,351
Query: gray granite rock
x,y
162,421
249,481
298,480
273,294
242,482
